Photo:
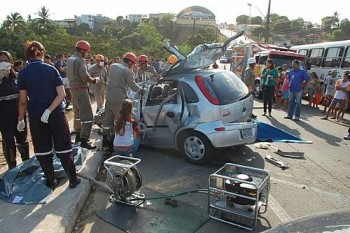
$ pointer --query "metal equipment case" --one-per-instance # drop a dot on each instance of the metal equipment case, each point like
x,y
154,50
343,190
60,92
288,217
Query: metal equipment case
x,y
238,194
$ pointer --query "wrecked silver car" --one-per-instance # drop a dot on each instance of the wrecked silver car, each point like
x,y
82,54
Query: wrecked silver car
x,y
194,110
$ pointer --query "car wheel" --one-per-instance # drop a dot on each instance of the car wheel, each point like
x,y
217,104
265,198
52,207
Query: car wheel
x,y
257,91
196,147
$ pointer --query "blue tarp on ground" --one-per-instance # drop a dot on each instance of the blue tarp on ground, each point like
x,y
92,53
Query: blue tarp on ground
x,y
268,132
24,184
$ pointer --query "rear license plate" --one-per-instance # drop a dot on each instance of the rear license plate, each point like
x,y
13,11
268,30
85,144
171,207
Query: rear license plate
x,y
246,133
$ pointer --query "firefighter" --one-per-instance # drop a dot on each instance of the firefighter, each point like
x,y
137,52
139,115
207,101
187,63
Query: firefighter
x,y
78,77
99,90
49,128
145,71
120,77
9,115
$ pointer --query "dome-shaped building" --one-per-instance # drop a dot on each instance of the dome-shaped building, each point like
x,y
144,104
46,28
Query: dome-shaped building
x,y
199,14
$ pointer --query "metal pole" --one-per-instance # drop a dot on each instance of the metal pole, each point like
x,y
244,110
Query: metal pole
x,y
194,25
268,23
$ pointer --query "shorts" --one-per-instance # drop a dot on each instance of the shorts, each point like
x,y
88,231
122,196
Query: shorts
x,y
341,102
285,94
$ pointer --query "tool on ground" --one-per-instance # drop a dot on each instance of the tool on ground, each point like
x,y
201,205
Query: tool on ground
x,y
276,162
96,182
124,179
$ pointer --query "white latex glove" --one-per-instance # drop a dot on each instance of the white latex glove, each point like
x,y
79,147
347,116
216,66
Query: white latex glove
x,y
21,125
45,117
4,72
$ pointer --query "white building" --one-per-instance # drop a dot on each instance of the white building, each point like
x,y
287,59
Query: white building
x,y
87,19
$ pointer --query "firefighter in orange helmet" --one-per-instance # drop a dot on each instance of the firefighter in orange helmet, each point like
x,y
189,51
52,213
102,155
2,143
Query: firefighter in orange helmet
x,y
79,78
145,71
120,77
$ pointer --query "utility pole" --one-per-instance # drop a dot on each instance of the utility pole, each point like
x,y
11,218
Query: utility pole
x,y
268,23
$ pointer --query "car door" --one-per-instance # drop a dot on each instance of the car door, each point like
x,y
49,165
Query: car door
x,y
165,116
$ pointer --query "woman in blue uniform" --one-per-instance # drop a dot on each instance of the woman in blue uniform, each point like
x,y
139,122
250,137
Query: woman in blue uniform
x,y
9,113
49,128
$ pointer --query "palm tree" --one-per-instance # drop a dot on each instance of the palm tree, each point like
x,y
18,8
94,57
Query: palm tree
x,y
14,22
43,23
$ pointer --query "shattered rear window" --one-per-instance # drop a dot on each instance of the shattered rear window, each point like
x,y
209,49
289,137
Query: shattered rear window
x,y
227,87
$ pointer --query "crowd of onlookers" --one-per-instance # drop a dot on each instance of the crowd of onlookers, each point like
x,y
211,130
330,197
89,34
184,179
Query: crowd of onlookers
x,y
284,89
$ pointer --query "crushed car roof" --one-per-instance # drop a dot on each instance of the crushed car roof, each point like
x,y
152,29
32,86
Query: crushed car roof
x,y
203,55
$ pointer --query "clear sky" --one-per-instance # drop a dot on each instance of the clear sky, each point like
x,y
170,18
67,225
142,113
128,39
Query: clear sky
x,y
225,10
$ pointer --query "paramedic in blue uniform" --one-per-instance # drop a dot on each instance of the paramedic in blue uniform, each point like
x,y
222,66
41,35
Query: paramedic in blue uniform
x,y
49,128
9,113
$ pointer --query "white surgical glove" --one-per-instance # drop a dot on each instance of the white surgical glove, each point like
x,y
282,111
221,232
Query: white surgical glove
x,y
21,125
45,117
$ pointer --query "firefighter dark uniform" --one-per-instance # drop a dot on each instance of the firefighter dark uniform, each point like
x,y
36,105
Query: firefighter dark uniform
x,y
78,77
9,119
49,128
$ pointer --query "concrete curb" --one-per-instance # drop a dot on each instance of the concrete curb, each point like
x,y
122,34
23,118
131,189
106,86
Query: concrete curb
x,y
61,211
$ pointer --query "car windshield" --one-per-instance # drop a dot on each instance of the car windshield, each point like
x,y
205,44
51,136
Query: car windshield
x,y
227,87
282,59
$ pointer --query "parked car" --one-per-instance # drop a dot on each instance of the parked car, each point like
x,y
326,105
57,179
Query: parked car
x,y
226,58
195,110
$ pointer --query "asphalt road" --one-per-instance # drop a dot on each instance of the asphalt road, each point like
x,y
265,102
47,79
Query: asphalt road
x,y
318,182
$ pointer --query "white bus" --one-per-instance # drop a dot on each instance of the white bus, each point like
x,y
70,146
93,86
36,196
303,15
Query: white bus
x,y
323,57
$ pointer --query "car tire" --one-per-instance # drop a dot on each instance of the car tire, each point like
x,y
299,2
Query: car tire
x,y
257,90
196,148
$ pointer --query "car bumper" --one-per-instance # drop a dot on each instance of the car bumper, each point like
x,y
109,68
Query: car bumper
x,y
229,134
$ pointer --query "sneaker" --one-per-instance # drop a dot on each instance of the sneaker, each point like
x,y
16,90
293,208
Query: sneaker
x,y
264,114
253,116
287,117
324,118
74,184
347,137
296,119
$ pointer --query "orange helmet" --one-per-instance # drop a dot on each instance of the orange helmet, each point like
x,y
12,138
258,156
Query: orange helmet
x,y
172,59
143,58
99,57
82,44
130,56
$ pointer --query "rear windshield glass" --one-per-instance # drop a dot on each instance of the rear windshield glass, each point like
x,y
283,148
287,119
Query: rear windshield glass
x,y
279,60
227,87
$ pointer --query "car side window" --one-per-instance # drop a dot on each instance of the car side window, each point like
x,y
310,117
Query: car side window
x,y
190,95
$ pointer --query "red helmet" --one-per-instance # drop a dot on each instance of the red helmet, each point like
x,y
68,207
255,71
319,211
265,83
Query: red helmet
x,y
82,44
143,58
130,56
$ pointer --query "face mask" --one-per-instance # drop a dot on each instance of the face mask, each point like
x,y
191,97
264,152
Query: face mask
x,y
102,63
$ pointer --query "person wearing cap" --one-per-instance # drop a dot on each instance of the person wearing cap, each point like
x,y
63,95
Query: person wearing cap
x,y
145,71
249,77
79,77
329,82
120,77
297,79
98,70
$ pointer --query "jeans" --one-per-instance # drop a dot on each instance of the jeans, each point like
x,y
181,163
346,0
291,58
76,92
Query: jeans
x,y
132,151
294,104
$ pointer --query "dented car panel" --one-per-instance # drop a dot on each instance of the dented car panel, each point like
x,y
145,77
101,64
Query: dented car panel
x,y
195,110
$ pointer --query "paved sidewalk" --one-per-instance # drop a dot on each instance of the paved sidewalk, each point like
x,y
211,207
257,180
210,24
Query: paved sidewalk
x,y
62,208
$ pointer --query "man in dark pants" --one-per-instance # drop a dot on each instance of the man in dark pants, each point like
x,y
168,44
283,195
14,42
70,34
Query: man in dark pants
x,y
78,77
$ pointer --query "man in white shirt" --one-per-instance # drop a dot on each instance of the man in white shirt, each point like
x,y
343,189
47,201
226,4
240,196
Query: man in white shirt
x,y
342,87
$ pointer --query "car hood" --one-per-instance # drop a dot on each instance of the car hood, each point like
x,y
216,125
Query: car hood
x,y
203,55
332,221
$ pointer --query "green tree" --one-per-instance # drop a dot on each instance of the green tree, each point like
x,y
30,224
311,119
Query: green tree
x,y
242,19
43,24
14,22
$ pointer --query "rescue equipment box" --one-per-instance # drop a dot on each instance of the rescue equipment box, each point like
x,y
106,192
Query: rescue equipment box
x,y
238,194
